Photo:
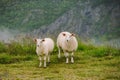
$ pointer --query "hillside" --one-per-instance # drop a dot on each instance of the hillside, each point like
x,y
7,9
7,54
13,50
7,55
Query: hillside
x,y
96,24
29,14
89,19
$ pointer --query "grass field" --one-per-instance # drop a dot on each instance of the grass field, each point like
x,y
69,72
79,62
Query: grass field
x,y
84,68
91,63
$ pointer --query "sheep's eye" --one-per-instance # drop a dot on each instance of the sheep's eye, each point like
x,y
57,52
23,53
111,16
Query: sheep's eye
x,y
43,40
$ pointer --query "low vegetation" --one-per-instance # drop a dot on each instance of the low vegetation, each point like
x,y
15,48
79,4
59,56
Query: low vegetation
x,y
19,61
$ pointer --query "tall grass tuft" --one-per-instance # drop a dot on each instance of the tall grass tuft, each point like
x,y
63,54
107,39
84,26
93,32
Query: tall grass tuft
x,y
2,47
25,50
84,47
24,47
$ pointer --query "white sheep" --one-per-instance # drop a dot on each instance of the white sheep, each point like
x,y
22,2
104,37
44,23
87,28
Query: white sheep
x,y
68,43
43,49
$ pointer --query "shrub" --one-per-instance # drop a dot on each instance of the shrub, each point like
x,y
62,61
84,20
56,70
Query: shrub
x,y
4,58
2,47
15,48
24,47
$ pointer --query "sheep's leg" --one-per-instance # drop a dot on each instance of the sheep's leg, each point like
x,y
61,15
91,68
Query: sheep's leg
x,y
48,57
45,61
40,58
67,57
59,52
72,60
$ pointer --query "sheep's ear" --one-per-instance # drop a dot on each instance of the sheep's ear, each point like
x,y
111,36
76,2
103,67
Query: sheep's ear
x,y
72,34
64,34
35,40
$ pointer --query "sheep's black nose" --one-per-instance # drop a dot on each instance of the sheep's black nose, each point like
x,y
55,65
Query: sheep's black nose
x,y
37,45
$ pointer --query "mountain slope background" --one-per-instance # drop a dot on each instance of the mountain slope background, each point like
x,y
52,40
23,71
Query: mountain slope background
x,y
95,20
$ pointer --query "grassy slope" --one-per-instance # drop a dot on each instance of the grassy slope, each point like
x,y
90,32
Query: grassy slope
x,y
85,67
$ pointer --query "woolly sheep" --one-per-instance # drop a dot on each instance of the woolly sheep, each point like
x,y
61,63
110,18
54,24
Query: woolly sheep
x,y
68,43
43,49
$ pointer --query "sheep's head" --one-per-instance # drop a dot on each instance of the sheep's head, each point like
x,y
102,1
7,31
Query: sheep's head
x,y
39,42
68,37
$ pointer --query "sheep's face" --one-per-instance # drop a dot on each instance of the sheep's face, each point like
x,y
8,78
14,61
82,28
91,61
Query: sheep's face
x,y
39,42
68,37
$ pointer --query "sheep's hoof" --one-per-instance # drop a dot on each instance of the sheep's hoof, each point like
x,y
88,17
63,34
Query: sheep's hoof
x,y
45,66
67,62
72,62
59,56
40,66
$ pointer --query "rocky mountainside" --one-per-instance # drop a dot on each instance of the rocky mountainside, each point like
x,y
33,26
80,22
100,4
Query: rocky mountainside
x,y
89,19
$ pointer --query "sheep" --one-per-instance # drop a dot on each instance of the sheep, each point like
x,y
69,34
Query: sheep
x,y
43,49
68,43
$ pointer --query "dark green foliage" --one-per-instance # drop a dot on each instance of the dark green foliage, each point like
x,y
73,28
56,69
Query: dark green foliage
x,y
4,59
28,57
7,58
55,50
102,51
84,47
15,49
2,47
103,2
26,46
27,15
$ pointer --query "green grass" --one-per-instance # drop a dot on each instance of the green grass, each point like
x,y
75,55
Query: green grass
x,y
84,68
91,63
8,59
